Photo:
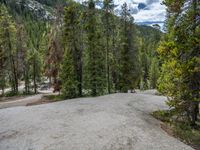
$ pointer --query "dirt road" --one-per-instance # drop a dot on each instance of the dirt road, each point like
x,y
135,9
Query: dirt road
x,y
112,122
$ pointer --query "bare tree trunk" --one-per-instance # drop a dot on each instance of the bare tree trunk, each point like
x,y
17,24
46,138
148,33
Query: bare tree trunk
x,y
34,77
194,112
2,91
15,75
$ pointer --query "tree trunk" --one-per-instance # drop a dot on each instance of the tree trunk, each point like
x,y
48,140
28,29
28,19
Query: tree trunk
x,y
12,61
34,77
2,91
194,112
50,81
15,75
80,80
107,52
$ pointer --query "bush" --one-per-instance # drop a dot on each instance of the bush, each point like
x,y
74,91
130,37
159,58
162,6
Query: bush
x,y
162,115
11,94
180,129
187,134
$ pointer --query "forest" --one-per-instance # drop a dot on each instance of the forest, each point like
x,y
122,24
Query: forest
x,y
89,51
82,51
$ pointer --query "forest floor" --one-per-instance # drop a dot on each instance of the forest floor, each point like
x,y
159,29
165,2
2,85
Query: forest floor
x,y
111,122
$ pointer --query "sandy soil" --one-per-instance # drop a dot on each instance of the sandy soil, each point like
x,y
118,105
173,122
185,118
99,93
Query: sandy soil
x,y
112,122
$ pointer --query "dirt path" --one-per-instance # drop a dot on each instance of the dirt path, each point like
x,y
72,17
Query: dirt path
x,y
20,102
26,100
113,122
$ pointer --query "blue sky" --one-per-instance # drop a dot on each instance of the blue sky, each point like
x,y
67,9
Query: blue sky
x,y
145,10
142,10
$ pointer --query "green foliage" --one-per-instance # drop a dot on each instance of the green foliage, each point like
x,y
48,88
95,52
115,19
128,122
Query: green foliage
x,y
8,48
108,22
181,130
69,73
164,116
154,73
19,94
94,69
148,40
187,134
128,57
34,59
54,98
69,83
180,53
102,52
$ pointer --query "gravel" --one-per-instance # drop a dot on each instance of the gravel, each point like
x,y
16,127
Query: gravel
x,y
111,122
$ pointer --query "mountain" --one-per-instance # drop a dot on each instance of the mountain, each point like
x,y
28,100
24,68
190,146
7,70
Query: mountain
x,y
45,9
39,9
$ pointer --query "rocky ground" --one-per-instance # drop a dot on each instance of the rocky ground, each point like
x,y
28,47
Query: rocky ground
x,y
112,122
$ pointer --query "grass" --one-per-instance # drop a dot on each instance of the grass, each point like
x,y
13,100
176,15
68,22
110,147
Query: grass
x,y
54,98
187,134
180,130
13,94
162,115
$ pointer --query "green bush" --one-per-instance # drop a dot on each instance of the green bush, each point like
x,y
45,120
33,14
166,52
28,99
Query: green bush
x,y
162,115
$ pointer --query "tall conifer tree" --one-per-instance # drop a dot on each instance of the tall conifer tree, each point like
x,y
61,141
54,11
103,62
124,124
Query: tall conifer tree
x,y
8,47
126,80
180,53
70,70
94,61
108,19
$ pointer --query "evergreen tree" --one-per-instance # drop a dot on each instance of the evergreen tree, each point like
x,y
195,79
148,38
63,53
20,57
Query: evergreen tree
x,y
35,63
154,73
94,70
8,46
70,71
180,53
128,53
100,49
108,18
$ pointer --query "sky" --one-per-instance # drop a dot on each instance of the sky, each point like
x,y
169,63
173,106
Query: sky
x,y
145,10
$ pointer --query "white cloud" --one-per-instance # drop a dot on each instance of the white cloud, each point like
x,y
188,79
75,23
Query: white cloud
x,y
154,11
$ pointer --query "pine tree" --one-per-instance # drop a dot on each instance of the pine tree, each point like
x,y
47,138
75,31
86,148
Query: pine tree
x,y
154,73
8,47
128,52
35,63
70,70
94,70
180,53
108,18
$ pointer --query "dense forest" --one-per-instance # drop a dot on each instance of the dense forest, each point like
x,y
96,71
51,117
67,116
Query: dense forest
x,y
82,75
89,51
84,51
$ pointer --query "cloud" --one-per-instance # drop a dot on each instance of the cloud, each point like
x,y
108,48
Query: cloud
x,y
153,11
149,2
143,10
